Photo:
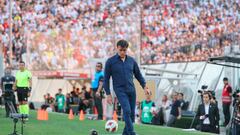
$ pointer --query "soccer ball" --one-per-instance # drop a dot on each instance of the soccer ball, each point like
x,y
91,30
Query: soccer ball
x,y
111,126
93,132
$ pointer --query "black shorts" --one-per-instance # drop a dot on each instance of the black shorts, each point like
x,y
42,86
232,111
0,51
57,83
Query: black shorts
x,y
22,93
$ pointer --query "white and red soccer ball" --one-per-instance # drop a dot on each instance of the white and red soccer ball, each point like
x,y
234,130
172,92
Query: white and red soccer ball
x,y
111,126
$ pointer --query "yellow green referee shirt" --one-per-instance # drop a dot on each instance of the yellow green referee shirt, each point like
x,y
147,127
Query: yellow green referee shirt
x,y
23,77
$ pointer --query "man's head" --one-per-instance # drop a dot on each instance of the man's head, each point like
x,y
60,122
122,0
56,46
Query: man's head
x,y
99,67
180,96
21,65
206,97
84,88
164,98
122,46
225,80
8,71
60,91
175,96
148,97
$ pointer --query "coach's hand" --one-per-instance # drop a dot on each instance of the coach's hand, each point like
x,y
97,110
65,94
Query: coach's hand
x,y
109,99
14,87
147,91
29,94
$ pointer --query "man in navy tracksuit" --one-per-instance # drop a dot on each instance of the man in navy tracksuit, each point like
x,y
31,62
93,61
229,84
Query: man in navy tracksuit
x,y
121,68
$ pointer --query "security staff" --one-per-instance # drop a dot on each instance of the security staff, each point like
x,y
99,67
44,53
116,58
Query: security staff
x,y
23,85
226,100
7,82
122,68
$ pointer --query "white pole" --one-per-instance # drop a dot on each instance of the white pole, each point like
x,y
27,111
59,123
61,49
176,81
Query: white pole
x,y
10,32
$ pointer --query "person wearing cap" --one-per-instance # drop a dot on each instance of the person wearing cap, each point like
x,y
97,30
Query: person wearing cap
x,y
226,100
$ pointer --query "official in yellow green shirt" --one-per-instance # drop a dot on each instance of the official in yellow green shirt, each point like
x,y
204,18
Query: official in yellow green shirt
x,y
23,86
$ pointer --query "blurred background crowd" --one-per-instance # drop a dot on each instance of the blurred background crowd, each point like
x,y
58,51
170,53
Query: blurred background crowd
x,y
65,34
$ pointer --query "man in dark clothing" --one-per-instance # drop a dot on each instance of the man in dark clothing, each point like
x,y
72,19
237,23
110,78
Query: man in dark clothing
x,y
208,115
122,68
86,100
97,86
175,112
7,82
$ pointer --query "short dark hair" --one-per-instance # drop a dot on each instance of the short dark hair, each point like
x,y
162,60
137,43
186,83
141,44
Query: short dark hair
x,y
180,94
207,93
225,79
122,43
100,63
22,62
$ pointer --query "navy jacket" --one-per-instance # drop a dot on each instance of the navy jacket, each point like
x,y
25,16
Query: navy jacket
x,y
122,74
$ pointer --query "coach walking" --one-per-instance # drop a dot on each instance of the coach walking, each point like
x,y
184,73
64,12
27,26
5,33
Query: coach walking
x,y
121,68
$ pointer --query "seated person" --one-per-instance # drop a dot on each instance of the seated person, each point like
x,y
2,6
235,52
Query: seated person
x,y
48,102
86,100
146,110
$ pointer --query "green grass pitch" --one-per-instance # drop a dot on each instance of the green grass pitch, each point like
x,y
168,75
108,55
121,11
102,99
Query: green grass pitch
x,y
58,124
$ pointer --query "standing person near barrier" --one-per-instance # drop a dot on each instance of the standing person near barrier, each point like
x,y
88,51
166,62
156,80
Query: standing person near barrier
x,y
146,113
97,87
226,100
7,82
208,115
60,100
121,68
175,113
23,86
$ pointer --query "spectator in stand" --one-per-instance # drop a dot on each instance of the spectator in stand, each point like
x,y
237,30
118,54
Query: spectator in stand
x,y
172,31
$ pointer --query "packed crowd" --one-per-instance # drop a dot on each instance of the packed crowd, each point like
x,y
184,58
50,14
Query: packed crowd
x,y
65,34
190,30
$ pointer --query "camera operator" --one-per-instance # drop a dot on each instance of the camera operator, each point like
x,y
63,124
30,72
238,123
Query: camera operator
x,y
237,119
226,100
235,123
7,82
208,115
